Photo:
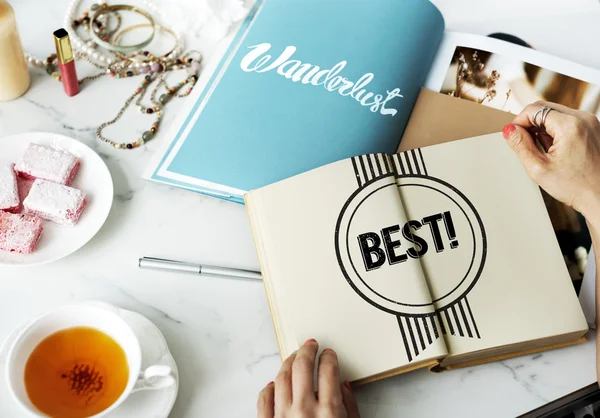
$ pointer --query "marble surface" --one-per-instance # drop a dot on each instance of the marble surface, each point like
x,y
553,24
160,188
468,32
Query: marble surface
x,y
218,330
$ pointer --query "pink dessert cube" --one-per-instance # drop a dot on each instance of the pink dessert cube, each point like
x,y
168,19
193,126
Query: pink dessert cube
x,y
19,233
9,192
41,162
24,187
54,202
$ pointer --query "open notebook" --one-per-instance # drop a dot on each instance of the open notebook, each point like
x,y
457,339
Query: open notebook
x,y
438,257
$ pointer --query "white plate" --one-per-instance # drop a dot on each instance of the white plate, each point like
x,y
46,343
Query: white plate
x,y
147,403
93,177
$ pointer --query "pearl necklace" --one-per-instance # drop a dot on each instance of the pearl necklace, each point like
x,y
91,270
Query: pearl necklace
x,y
86,47
35,61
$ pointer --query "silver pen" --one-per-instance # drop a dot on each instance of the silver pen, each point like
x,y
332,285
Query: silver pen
x,y
181,267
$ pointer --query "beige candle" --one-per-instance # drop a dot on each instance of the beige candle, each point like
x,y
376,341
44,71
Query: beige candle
x,y
14,74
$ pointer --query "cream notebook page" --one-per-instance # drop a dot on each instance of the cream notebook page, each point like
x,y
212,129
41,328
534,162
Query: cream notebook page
x,y
391,260
306,230
499,277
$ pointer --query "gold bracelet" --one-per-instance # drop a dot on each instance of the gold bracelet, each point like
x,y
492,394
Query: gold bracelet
x,y
148,57
125,49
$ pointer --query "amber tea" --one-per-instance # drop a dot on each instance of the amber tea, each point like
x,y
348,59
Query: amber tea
x,y
75,373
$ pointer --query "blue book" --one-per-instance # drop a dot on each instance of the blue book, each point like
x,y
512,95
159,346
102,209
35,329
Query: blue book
x,y
301,84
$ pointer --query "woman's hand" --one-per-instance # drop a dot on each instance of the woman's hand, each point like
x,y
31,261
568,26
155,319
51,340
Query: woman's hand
x,y
569,170
292,395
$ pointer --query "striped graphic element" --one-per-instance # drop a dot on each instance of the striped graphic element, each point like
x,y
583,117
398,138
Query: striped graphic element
x,y
369,167
457,319
418,333
409,163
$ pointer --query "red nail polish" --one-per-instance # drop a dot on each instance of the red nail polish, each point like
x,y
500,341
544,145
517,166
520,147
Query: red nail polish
x,y
347,384
270,384
508,129
310,340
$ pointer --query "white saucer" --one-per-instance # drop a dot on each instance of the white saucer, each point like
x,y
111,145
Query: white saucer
x,y
148,403
58,241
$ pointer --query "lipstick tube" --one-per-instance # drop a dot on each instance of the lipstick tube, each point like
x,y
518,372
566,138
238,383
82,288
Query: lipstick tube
x,y
66,62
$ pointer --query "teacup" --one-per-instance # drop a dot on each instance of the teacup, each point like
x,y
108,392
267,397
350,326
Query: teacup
x,y
90,316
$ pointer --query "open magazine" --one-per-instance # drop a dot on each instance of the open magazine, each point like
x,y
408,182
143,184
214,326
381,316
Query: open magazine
x,y
299,85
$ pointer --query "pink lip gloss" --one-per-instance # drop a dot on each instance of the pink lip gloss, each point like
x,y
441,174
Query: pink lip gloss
x,y
66,62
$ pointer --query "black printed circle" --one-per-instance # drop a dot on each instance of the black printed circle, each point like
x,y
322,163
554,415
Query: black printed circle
x,y
460,283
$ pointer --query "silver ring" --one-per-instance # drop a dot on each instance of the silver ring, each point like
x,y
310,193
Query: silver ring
x,y
535,115
545,111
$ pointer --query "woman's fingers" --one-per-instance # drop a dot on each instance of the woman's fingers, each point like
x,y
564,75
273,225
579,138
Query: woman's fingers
x,y
520,140
302,372
329,378
266,402
293,389
283,386
349,400
555,121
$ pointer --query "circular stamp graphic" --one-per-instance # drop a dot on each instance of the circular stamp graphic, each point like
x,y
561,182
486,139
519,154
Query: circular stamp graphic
x,y
429,229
